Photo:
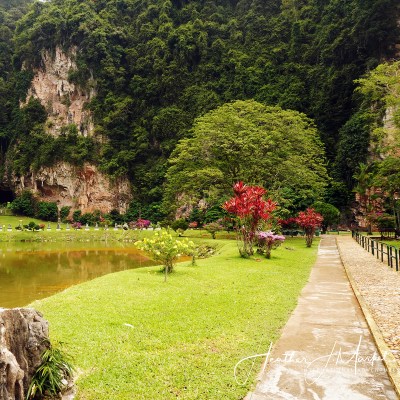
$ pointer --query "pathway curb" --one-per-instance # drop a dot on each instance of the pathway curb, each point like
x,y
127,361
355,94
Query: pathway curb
x,y
391,364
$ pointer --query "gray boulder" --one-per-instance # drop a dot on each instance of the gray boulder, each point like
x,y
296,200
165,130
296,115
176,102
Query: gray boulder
x,y
24,336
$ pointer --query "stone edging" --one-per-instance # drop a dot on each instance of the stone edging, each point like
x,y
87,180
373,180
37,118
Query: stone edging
x,y
391,364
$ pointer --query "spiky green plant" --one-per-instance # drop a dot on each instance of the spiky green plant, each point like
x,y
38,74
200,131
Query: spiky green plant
x,y
48,378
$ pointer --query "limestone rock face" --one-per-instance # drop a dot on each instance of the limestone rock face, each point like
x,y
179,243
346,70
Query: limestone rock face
x,y
84,188
63,100
23,338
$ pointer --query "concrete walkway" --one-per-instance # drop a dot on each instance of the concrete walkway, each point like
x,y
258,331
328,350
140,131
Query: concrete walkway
x,y
326,351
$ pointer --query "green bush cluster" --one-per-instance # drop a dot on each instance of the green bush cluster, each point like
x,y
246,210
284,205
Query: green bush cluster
x,y
26,204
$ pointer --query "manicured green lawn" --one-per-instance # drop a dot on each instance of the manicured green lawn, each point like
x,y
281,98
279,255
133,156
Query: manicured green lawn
x,y
135,337
14,221
63,235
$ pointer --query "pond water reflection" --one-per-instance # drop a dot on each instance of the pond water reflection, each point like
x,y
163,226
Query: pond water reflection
x,y
31,271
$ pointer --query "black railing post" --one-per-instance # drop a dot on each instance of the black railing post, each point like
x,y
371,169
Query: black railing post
x,y
374,247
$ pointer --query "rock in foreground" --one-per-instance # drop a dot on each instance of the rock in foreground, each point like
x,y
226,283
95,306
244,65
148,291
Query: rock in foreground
x,y
24,336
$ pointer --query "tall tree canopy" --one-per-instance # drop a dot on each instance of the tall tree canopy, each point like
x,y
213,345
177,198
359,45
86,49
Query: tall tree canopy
x,y
248,141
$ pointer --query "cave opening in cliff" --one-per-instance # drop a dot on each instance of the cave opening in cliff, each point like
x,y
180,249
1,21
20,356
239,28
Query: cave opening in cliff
x,y
6,195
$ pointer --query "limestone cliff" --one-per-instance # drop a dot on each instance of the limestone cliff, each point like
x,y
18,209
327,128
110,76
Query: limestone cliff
x,y
64,101
84,188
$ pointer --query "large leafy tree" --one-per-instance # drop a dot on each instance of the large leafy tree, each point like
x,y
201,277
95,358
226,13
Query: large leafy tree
x,y
251,142
329,212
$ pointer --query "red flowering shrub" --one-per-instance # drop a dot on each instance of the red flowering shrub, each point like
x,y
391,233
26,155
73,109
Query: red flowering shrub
x,y
289,226
309,220
250,209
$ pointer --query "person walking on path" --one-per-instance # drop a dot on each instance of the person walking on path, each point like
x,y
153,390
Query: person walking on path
x,y
326,350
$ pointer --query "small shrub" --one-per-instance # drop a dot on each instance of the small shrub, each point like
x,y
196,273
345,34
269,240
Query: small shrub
x,y
24,204
49,377
87,218
64,212
32,226
116,217
267,241
76,225
180,226
213,228
166,249
76,215
47,211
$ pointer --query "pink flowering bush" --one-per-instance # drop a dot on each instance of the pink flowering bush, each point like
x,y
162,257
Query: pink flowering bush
x,y
142,223
76,225
268,241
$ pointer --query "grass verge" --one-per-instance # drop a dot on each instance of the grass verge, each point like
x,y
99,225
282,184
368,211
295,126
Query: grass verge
x,y
135,337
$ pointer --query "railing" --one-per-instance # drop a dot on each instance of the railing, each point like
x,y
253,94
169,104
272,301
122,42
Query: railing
x,y
384,252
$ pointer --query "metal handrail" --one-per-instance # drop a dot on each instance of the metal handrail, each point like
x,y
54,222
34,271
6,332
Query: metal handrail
x,y
381,250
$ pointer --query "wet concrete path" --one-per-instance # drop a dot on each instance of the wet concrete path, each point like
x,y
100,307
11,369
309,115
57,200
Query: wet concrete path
x,y
326,351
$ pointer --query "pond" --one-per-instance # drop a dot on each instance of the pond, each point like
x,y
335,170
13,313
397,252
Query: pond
x,y
32,271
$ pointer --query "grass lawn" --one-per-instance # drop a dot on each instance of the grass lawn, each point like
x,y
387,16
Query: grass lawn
x,y
135,337
14,221
63,235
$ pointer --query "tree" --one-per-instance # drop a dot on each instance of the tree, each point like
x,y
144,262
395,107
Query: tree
x,y
250,209
213,227
248,141
166,249
180,226
25,204
309,220
329,212
47,211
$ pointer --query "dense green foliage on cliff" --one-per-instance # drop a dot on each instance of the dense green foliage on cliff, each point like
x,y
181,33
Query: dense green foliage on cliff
x,y
159,64
13,82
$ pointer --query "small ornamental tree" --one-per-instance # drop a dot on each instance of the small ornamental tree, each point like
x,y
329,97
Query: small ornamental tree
x,y
213,227
180,226
165,248
250,209
309,220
